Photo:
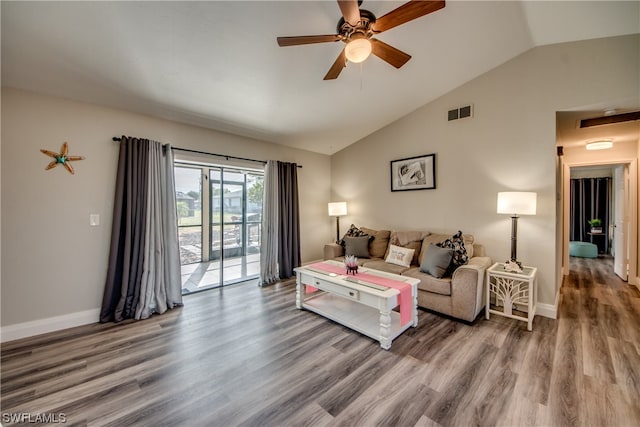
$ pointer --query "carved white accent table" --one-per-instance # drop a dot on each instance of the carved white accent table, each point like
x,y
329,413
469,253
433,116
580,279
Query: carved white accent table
x,y
356,304
511,290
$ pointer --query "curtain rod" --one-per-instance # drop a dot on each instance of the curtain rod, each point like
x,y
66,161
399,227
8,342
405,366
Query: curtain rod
x,y
117,139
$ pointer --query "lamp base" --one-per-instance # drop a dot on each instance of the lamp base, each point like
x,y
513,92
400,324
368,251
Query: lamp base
x,y
513,266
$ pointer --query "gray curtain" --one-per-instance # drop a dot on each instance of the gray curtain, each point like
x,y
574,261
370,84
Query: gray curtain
x,y
270,226
144,261
289,246
590,198
280,250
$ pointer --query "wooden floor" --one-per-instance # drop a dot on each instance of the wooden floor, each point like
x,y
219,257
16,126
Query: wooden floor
x,y
246,356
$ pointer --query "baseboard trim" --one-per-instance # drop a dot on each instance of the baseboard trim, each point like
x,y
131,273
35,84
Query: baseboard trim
x,y
549,310
51,324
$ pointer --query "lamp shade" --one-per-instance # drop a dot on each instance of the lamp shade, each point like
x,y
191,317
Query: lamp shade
x,y
517,203
357,50
337,208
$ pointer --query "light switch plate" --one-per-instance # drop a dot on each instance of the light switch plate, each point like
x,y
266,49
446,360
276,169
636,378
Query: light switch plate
x,y
94,220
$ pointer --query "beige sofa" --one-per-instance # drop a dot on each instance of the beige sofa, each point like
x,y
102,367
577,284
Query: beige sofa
x,y
461,295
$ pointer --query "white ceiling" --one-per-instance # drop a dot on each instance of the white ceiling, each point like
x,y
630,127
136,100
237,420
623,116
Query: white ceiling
x,y
217,64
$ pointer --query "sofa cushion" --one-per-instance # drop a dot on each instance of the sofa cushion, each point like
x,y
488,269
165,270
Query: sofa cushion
x,y
378,245
399,255
436,260
429,283
468,240
381,265
356,246
410,240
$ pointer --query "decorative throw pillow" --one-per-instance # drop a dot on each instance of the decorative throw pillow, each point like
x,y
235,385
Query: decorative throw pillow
x,y
436,261
399,256
379,241
456,243
356,246
353,231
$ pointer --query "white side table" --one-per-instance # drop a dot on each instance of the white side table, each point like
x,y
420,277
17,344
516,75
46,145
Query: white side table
x,y
510,289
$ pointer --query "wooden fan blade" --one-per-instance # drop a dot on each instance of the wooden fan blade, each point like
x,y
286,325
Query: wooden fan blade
x,y
405,13
298,40
337,67
388,53
350,11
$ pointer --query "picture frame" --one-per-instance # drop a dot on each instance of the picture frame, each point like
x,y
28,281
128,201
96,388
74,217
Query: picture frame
x,y
414,173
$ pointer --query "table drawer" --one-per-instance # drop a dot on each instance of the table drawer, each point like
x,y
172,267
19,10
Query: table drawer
x,y
333,288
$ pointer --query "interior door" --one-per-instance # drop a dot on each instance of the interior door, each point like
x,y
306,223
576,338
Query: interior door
x,y
621,221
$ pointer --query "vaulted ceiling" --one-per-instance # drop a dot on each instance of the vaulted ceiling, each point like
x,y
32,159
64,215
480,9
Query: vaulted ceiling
x,y
217,64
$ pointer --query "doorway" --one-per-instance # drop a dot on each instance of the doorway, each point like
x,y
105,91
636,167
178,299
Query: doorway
x,y
592,207
623,215
219,224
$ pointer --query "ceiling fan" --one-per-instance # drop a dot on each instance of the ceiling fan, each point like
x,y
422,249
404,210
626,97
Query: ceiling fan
x,y
357,28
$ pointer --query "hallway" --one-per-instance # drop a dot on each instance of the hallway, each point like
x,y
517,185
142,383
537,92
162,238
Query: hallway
x,y
598,346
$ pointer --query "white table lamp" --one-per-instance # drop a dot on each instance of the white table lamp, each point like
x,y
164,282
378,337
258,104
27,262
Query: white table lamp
x,y
516,203
337,209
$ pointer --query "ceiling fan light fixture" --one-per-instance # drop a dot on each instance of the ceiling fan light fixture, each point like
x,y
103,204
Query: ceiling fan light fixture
x,y
599,145
357,50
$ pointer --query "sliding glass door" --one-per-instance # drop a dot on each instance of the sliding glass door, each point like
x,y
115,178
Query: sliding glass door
x,y
230,234
236,211
189,207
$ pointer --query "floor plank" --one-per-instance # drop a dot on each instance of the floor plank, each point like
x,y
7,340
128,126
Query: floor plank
x,y
245,356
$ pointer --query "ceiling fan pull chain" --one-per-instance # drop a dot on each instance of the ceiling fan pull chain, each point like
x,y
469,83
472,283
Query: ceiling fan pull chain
x,y
361,77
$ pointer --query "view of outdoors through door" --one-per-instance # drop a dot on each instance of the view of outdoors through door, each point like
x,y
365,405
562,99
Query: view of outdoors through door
x,y
219,238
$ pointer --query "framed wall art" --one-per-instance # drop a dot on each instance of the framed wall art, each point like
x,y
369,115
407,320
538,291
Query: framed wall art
x,y
414,173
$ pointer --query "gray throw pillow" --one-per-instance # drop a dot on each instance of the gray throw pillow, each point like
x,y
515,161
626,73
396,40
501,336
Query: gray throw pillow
x,y
436,261
357,246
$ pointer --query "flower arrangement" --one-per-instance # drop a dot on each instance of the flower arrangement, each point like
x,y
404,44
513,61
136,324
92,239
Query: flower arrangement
x,y
351,262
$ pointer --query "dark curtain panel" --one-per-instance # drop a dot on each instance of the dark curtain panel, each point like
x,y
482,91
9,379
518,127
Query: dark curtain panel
x,y
590,198
129,210
289,244
141,257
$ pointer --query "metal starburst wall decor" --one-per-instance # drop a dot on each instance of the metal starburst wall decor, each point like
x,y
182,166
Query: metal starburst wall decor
x,y
63,158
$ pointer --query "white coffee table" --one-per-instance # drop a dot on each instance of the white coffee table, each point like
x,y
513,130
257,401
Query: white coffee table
x,y
359,305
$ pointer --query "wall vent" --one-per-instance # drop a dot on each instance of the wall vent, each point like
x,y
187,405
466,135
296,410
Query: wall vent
x,y
460,113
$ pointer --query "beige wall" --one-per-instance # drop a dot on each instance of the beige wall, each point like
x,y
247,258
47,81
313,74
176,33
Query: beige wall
x,y
53,262
509,144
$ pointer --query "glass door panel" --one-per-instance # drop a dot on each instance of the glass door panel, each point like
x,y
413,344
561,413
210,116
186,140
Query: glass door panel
x,y
189,209
227,242
253,223
233,205
216,214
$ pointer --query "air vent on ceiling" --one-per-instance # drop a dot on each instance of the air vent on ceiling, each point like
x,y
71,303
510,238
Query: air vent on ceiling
x,y
460,113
